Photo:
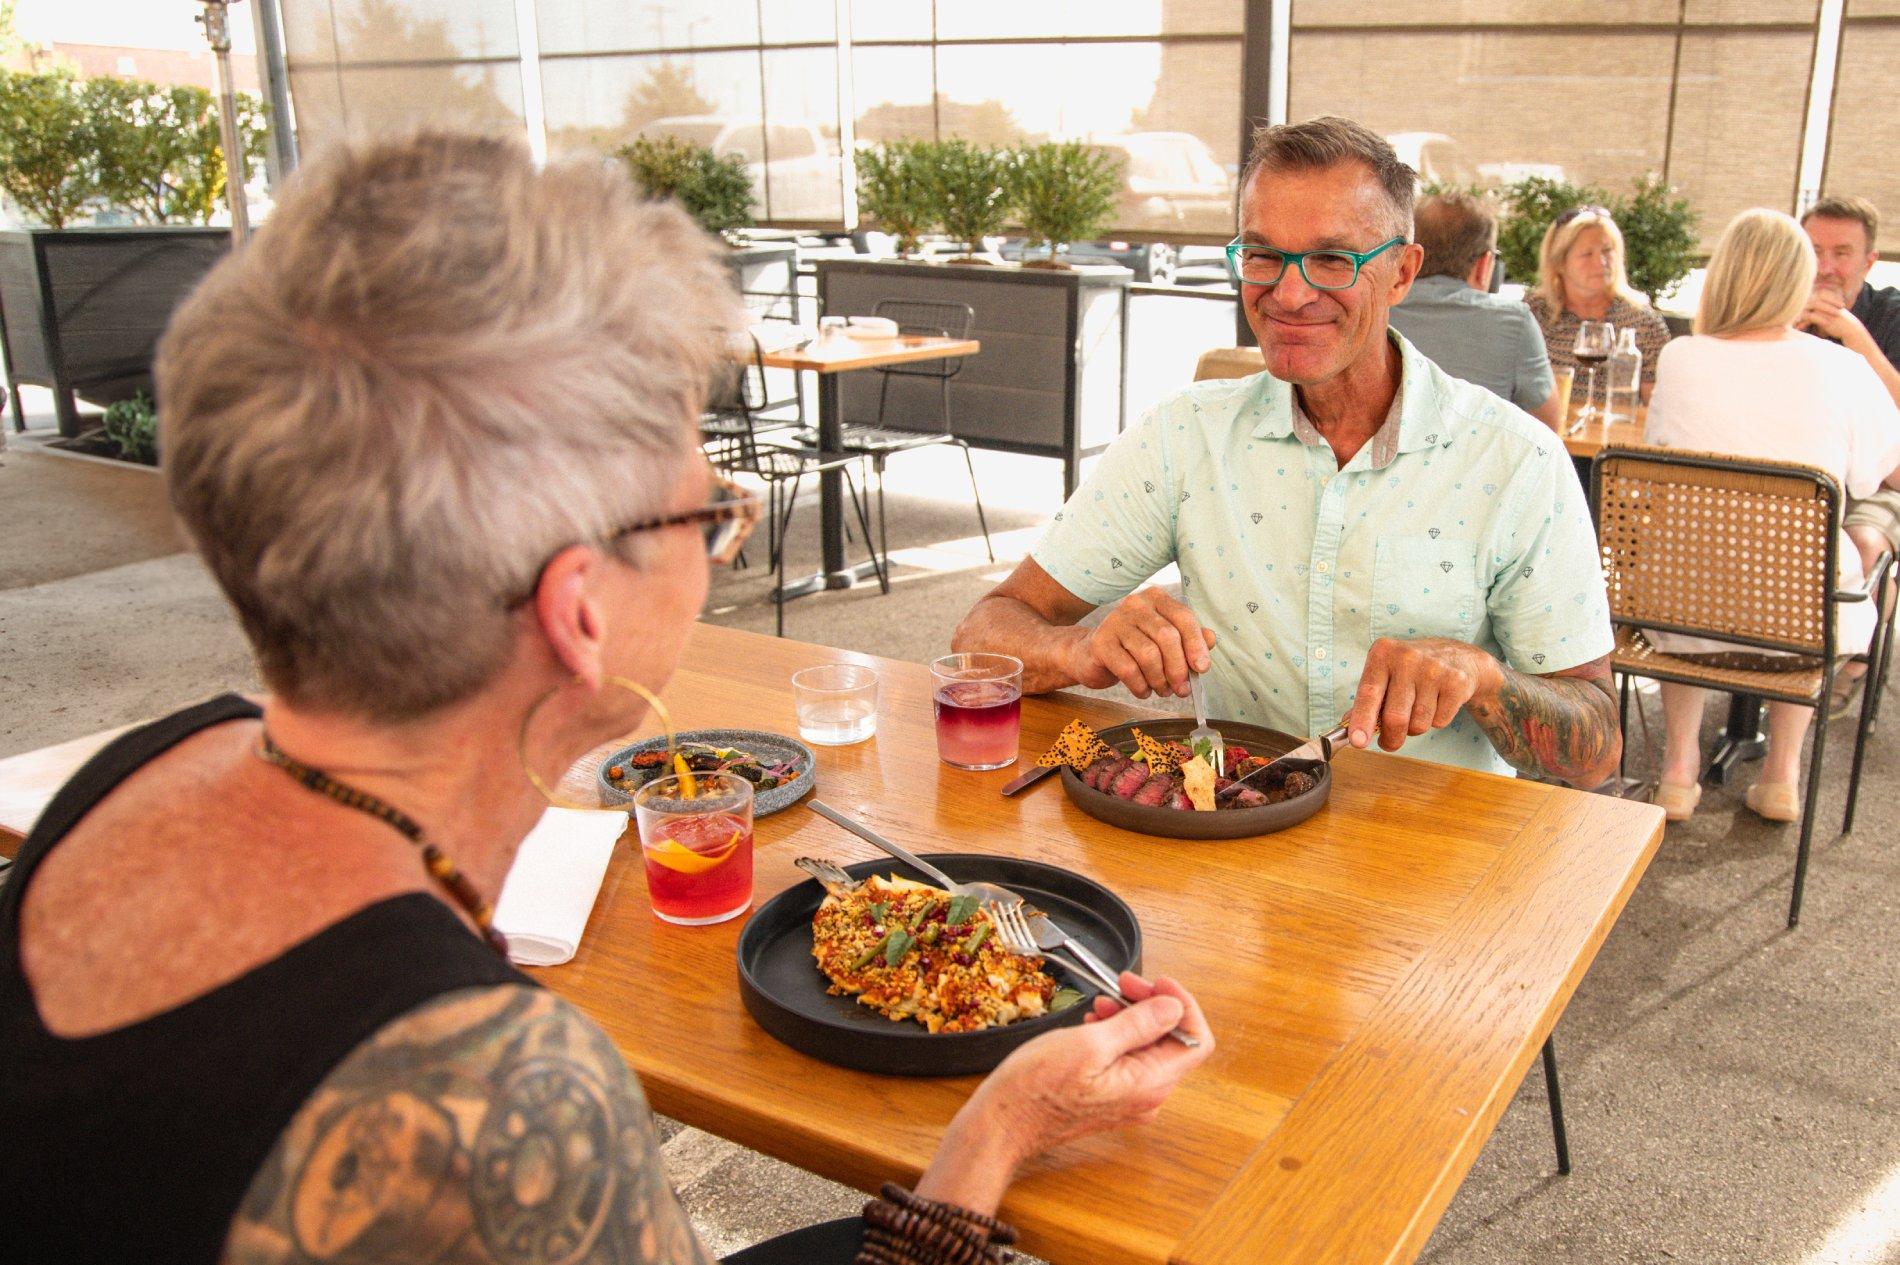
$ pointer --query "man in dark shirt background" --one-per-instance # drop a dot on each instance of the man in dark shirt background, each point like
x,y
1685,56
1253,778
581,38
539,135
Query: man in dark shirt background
x,y
1863,319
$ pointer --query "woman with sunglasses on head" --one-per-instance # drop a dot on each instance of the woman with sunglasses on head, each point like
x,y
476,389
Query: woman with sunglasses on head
x,y
434,434
1581,277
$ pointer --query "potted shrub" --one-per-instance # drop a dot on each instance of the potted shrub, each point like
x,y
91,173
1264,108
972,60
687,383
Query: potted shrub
x,y
896,191
1063,191
87,303
715,191
131,428
970,192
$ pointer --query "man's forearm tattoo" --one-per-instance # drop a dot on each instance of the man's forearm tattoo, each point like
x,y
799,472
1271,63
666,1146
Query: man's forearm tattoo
x,y
1562,726
491,1127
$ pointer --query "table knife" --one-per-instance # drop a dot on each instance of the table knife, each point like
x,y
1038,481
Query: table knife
x,y
1026,780
1320,748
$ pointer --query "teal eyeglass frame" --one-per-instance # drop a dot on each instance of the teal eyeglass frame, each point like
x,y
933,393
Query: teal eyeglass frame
x,y
1298,259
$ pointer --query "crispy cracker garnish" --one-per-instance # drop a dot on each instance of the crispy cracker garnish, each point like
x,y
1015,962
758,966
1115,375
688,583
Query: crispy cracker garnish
x,y
1077,746
1156,755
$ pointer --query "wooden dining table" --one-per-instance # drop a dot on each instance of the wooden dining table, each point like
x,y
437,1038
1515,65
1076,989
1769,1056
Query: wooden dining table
x,y
1379,978
829,357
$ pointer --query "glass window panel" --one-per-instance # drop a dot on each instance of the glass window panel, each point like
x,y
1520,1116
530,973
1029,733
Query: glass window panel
x,y
1866,132
604,27
603,102
1807,11
1012,19
346,103
1740,100
1435,96
1446,13
891,19
423,30
309,33
797,22
802,178
892,94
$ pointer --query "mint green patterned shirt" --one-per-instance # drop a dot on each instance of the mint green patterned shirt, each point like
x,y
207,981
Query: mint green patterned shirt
x,y
1472,525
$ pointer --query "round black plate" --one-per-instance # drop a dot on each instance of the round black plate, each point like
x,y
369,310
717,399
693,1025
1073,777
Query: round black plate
x,y
784,990
1225,823
756,741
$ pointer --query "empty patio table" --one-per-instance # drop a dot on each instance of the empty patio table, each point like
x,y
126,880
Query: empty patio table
x,y
828,356
1379,979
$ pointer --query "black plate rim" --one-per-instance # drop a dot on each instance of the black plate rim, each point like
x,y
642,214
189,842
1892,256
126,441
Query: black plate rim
x,y
1236,823
952,1041
778,799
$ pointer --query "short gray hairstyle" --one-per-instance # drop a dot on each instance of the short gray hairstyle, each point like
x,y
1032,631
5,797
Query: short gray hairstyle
x,y
1456,230
432,369
1327,141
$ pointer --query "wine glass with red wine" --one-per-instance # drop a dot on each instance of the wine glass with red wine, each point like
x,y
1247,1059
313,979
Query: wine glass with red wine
x,y
1595,341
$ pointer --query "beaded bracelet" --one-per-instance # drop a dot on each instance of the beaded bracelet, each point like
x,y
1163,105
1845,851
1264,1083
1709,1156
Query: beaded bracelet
x,y
904,1229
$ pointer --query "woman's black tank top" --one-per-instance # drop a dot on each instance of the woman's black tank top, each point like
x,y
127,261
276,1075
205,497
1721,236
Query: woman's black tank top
x,y
137,1144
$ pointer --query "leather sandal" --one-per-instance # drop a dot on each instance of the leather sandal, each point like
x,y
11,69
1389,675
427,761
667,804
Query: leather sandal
x,y
1678,802
1776,801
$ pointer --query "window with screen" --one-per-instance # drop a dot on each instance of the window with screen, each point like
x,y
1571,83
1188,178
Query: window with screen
x,y
1865,135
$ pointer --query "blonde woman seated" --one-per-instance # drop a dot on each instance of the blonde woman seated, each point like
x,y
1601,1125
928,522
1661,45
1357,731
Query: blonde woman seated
x,y
1581,277
1749,385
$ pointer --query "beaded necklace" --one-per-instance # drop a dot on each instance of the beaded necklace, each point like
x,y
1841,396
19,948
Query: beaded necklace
x,y
440,868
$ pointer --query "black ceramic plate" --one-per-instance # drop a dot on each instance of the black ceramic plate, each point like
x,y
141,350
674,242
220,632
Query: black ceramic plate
x,y
784,990
1225,823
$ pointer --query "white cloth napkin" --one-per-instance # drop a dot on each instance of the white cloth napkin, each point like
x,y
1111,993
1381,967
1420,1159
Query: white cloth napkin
x,y
551,889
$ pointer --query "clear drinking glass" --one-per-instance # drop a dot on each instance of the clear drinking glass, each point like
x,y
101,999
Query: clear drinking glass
x,y
1595,341
836,703
698,851
979,705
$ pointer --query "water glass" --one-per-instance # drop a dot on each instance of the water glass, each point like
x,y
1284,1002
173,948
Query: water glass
x,y
836,703
979,705
698,850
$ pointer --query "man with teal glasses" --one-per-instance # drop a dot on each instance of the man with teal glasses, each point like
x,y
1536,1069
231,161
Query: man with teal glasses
x,y
1359,535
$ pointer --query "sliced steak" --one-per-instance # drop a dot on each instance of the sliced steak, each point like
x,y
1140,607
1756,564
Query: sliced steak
x,y
1247,797
1129,780
1101,770
1157,790
1180,802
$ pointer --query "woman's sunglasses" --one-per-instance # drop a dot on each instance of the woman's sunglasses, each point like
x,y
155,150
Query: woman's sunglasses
x,y
1575,211
726,521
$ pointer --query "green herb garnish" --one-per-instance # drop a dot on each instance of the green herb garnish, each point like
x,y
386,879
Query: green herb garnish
x,y
879,910
1064,998
1204,748
962,909
896,947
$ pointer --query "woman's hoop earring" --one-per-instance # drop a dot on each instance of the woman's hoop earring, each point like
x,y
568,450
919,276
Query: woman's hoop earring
x,y
521,742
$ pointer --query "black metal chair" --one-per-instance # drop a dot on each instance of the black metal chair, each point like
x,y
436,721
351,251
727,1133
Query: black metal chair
x,y
880,442
734,445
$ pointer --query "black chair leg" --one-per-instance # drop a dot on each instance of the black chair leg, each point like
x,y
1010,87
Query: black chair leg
x,y
858,503
1558,1133
977,496
883,527
1813,800
1623,728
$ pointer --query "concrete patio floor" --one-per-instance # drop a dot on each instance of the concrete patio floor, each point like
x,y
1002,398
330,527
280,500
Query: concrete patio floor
x,y
1731,1086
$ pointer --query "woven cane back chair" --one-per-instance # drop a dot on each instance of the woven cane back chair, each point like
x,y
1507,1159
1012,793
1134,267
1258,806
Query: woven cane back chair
x,y
1744,552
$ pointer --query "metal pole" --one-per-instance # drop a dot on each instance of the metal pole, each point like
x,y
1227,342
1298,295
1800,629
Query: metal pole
x,y
273,73
218,35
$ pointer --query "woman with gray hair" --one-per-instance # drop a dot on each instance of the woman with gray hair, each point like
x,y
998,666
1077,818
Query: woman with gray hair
x,y
434,434
1747,384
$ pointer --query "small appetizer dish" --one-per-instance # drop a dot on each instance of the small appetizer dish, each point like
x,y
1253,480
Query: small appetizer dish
x,y
780,769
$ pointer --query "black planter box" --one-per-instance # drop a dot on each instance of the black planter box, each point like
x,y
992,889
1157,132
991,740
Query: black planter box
x,y
81,309
1052,378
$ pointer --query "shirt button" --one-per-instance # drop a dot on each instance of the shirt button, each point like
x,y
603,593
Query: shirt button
x,y
1322,566
1320,653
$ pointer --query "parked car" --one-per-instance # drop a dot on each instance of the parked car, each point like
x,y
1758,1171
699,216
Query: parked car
x,y
1438,159
798,160
1152,262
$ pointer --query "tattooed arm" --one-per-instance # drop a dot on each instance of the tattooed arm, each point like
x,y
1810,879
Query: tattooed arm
x,y
490,1126
1563,725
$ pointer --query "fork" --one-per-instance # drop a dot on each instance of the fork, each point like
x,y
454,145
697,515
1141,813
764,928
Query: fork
x,y
1202,730
1012,929
834,877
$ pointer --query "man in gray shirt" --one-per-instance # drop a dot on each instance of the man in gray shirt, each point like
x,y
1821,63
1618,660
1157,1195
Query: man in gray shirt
x,y
1452,317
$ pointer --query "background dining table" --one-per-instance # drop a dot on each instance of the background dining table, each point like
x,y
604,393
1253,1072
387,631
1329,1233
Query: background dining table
x,y
828,356
1379,977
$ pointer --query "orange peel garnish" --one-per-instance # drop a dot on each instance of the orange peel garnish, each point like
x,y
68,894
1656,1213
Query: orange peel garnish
x,y
681,859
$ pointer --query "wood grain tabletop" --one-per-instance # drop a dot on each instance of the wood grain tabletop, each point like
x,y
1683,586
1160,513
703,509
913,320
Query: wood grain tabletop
x,y
1379,979
843,353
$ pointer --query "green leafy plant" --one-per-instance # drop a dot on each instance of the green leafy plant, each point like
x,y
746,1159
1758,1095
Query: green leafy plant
x,y
970,189
895,190
49,153
161,154
1064,191
1659,233
715,191
132,426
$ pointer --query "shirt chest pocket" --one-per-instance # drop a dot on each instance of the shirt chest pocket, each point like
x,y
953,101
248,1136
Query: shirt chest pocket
x,y
1425,586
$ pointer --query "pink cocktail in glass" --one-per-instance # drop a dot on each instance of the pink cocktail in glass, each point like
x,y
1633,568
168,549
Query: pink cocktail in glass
x,y
698,851
979,706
